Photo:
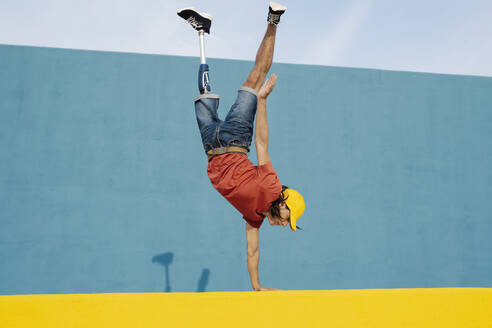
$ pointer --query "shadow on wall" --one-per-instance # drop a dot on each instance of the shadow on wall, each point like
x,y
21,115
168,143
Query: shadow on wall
x,y
203,282
165,259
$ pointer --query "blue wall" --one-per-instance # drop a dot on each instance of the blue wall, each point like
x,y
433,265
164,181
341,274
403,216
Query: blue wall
x,y
103,185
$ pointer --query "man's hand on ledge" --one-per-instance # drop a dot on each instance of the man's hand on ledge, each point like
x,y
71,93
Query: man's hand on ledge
x,y
264,289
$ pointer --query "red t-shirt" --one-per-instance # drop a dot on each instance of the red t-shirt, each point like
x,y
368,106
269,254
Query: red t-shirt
x,y
250,189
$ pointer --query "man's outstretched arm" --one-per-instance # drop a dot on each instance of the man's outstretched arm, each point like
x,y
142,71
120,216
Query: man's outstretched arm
x,y
253,250
261,128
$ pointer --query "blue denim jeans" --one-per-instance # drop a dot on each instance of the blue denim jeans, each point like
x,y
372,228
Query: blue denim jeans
x,y
236,129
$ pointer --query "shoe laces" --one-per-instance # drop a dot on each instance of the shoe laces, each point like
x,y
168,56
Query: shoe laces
x,y
194,22
274,18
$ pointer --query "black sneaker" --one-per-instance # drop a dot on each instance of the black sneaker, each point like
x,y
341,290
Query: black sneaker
x,y
275,11
199,21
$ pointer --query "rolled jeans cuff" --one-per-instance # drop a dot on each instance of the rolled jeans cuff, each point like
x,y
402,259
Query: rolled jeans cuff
x,y
253,91
207,96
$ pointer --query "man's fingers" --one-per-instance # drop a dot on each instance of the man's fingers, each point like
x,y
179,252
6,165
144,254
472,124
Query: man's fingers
x,y
270,82
273,79
268,85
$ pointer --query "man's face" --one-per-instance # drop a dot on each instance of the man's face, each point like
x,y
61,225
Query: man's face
x,y
283,219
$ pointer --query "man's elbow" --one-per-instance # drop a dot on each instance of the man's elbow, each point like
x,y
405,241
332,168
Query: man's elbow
x,y
252,251
261,143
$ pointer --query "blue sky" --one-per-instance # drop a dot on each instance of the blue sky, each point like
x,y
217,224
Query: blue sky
x,y
438,36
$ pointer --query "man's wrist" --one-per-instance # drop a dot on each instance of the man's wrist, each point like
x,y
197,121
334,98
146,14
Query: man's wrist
x,y
256,286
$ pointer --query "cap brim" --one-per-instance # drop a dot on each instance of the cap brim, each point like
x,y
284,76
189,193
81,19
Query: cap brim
x,y
293,221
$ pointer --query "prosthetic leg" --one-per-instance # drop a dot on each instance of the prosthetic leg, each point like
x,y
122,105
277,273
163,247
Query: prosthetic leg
x,y
207,103
203,79
202,23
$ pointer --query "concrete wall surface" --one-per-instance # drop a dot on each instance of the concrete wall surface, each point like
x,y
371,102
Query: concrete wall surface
x,y
103,184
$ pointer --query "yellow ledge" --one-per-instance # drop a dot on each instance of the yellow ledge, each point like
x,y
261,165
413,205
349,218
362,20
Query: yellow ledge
x,y
441,307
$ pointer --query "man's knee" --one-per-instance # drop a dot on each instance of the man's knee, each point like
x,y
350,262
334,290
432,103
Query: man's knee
x,y
254,83
255,79
250,84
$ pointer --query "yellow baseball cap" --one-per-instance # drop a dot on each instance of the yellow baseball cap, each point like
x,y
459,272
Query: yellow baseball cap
x,y
296,205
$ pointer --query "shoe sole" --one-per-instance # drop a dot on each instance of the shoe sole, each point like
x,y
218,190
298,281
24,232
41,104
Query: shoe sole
x,y
204,15
276,7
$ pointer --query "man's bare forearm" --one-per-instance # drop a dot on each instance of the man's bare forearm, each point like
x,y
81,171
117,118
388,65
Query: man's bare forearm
x,y
261,133
253,249
253,260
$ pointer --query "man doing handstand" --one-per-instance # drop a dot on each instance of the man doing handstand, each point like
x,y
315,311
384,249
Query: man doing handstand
x,y
255,191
